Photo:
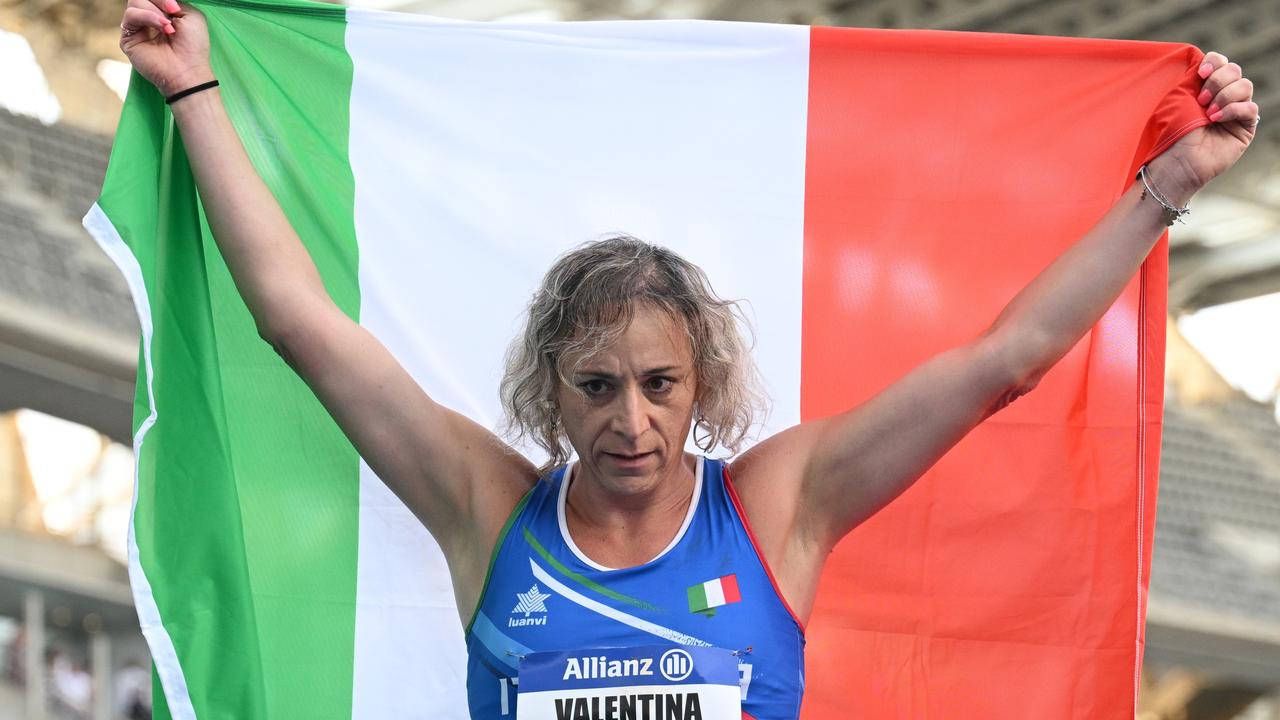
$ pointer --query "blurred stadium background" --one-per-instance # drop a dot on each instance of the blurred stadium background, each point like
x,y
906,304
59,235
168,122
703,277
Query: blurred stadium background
x,y
69,640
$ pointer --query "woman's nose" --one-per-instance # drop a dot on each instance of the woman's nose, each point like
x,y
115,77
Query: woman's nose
x,y
631,418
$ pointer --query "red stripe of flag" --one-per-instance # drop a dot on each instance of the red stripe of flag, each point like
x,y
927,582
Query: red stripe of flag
x,y
943,171
729,584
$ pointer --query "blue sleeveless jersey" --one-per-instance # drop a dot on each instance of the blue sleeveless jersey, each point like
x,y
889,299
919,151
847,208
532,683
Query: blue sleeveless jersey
x,y
708,587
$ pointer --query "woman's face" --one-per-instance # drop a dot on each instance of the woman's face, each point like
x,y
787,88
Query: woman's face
x,y
630,421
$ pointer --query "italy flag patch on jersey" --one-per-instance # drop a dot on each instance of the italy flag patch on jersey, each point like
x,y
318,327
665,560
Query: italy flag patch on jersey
x,y
705,597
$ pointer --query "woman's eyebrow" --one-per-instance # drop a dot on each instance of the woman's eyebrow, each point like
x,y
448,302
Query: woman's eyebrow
x,y
595,374
664,370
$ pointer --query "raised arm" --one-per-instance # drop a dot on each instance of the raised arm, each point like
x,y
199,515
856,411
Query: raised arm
x,y
458,478
807,487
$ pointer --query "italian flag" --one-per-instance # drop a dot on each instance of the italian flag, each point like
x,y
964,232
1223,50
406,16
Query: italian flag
x,y
876,197
707,596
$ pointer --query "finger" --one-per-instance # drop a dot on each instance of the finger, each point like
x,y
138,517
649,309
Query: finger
x,y
1212,61
164,7
1238,91
1245,113
137,19
1220,78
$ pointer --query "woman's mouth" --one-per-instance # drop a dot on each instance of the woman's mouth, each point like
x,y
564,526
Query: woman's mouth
x,y
628,459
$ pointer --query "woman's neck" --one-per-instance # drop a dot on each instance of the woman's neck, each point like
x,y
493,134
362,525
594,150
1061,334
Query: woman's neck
x,y
619,530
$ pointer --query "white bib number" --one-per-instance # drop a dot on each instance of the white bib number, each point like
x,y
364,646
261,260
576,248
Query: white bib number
x,y
652,682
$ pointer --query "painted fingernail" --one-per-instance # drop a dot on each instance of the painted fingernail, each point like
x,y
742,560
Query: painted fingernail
x,y
1213,110
169,30
1216,116
1206,70
1204,97
172,6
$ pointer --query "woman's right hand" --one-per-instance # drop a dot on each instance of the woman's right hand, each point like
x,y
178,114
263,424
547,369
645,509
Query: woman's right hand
x,y
168,44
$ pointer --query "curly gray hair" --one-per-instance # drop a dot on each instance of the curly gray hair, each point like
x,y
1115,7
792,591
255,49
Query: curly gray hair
x,y
586,301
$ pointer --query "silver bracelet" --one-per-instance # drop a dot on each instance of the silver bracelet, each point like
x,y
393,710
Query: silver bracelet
x,y
1171,213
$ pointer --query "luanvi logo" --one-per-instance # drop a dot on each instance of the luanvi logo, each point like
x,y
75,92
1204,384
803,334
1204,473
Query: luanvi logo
x,y
533,601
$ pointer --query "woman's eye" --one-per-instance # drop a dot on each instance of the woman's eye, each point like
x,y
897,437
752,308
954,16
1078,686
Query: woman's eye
x,y
594,387
659,384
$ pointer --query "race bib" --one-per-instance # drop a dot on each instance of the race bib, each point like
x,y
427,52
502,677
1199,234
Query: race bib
x,y
652,682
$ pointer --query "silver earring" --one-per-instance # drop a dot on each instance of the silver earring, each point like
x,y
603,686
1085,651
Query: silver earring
x,y
706,440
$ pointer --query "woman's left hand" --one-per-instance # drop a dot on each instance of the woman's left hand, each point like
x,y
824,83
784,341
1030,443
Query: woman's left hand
x,y
1227,96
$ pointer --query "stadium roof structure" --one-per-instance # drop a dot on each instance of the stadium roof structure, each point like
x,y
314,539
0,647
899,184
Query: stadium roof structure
x,y
68,333
1215,576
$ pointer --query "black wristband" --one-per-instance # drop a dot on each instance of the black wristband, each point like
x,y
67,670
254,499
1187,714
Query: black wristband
x,y
195,89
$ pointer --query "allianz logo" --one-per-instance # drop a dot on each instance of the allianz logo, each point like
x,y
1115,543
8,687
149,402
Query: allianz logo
x,y
675,665
593,667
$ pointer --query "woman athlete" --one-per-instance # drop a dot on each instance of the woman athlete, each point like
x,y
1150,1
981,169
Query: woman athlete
x,y
626,349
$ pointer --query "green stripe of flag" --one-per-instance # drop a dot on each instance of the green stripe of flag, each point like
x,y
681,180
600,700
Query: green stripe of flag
x,y
698,598
249,541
